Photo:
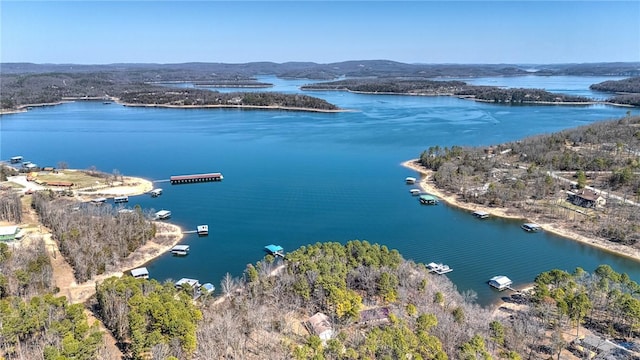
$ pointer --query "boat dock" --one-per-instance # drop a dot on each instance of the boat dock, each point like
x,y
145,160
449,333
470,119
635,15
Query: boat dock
x,y
202,230
195,178
481,214
439,269
275,250
181,250
155,192
427,199
162,215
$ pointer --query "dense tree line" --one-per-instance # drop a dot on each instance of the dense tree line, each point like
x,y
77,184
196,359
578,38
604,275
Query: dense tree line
x,y
520,175
93,239
455,88
47,327
629,85
262,314
47,88
149,319
604,301
179,97
34,324
10,207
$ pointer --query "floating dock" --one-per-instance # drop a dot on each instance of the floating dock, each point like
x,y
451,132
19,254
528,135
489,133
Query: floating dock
x,y
275,250
501,282
481,214
427,199
140,273
531,227
203,230
163,214
120,199
181,250
195,178
439,269
415,192
410,180
155,192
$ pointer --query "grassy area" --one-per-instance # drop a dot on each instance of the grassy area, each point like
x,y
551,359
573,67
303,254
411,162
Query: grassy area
x,y
80,179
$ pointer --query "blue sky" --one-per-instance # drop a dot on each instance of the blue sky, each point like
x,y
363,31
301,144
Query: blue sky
x,y
101,32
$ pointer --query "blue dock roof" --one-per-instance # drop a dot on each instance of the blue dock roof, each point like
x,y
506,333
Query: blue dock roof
x,y
274,248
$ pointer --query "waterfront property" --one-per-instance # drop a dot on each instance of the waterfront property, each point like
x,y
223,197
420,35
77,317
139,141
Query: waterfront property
x,y
531,227
481,214
410,180
140,273
120,199
275,250
156,192
500,282
180,250
162,214
195,178
586,198
427,199
319,325
439,269
203,230
9,233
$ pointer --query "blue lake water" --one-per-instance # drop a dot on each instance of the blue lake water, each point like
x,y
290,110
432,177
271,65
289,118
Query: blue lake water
x,y
294,178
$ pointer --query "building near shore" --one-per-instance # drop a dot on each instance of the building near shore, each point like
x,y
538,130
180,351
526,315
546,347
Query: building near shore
x,y
9,233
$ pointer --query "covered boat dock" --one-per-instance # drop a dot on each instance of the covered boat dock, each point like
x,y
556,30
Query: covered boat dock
x,y
195,178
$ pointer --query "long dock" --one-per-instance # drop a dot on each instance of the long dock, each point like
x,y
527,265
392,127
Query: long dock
x,y
195,178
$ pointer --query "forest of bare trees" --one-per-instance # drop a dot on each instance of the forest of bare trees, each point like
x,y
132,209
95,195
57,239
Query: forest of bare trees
x,y
93,239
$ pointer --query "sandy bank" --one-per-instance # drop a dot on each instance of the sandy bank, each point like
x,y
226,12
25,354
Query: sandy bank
x,y
129,186
427,185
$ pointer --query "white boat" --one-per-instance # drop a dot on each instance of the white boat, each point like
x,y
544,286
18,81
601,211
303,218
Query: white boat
x,y
156,192
415,192
439,268
410,180
163,214
120,199
481,214
180,250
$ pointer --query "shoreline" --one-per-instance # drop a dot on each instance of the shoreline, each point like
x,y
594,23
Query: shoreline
x,y
452,199
24,108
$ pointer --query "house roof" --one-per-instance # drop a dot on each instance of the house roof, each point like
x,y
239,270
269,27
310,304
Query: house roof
x,y
588,194
319,323
9,230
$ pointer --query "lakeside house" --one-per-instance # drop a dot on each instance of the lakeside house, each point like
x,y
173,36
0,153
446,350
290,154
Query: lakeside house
x,y
319,325
375,316
586,198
